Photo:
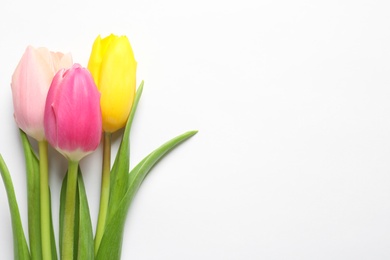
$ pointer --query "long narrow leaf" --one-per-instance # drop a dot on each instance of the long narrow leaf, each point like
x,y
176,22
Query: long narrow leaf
x,y
76,223
120,169
85,250
62,214
52,236
33,198
62,210
21,251
110,247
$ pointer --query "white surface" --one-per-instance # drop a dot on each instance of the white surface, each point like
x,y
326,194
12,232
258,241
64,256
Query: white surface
x,y
292,103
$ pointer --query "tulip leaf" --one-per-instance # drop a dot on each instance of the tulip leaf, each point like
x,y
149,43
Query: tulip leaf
x,y
52,236
21,251
33,201
110,247
85,247
120,169
83,234
62,210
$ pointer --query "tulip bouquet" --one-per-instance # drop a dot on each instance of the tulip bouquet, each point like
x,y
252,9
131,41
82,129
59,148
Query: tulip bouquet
x,y
73,109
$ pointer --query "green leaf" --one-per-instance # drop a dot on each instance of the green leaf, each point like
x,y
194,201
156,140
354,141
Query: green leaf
x,y
62,210
110,247
138,174
33,201
83,249
52,236
76,224
20,245
120,169
85,245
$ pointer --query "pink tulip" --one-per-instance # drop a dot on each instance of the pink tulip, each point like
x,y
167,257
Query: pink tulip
x,y
30,84
73,120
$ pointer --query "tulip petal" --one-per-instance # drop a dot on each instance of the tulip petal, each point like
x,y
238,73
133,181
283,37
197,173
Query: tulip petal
x,y
117,84
113,67
73,121
30,84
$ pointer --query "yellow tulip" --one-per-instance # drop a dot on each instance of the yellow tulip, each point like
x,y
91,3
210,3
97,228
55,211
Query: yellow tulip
x,y
113,68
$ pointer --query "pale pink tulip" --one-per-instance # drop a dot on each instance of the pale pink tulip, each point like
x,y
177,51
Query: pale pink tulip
x,y
73,120
30,84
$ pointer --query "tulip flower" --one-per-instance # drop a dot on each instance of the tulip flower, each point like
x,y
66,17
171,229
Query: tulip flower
x,y
30,84
73,126
73,118
113,68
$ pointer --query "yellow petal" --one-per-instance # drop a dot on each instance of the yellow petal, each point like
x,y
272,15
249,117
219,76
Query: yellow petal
x,y
99,50
117,80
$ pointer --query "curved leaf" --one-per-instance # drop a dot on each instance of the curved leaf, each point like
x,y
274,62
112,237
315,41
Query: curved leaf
x,y
20,245
52,236
111,245
33,201
83,249
120,169
62,210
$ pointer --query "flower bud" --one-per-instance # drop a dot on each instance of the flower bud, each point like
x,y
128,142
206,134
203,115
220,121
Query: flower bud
x,y
73,121
113,68
30,84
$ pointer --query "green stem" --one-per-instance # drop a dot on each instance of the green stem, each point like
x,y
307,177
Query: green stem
x,y
45,200
70,209
104,190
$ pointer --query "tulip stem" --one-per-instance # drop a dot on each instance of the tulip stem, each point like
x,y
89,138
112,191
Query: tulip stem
x,y
45,200
104,190
69,212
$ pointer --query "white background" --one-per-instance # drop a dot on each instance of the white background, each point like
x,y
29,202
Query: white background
x,y
292,103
